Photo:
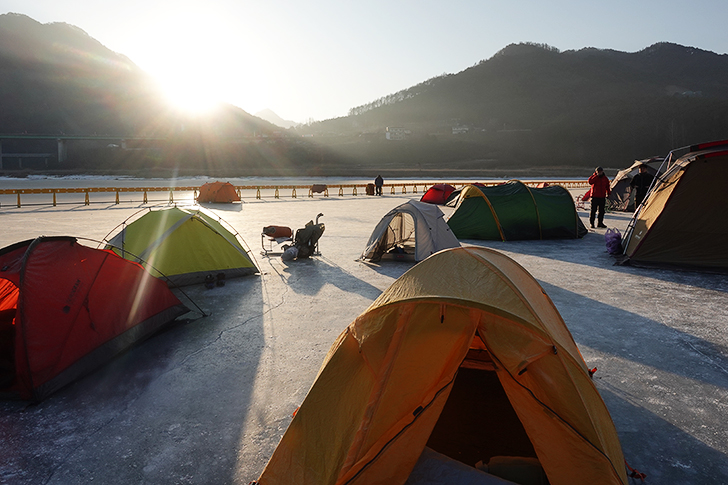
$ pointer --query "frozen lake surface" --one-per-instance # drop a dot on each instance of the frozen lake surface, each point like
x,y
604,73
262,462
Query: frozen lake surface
x,y
207,400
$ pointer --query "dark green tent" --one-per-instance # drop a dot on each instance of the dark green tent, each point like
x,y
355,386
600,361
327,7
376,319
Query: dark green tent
x,y
514,211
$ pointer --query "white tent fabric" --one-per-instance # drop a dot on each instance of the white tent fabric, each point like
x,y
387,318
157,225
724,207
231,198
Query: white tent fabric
x,y
411,231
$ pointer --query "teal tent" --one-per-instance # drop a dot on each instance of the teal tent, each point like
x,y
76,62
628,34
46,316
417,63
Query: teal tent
x,y
513,211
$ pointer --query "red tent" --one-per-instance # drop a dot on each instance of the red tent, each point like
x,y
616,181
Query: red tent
x,y
437,194
65,309
218,192
587,195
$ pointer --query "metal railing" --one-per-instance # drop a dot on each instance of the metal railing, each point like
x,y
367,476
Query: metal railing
x,y
255,191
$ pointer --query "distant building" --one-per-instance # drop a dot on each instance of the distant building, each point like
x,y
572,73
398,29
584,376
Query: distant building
x,y
397,133
460,129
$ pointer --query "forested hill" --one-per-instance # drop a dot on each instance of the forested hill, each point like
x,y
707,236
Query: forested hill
x,y
529,106
55,78
534,103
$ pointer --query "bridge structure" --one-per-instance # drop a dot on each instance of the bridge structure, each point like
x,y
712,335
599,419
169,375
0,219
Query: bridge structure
x,y
62,143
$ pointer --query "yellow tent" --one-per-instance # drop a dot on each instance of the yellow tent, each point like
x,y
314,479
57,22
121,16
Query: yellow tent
x,y
183,245
464,354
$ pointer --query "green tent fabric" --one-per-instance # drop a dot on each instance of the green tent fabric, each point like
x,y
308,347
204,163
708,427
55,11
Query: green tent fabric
x,y
184,245
514,211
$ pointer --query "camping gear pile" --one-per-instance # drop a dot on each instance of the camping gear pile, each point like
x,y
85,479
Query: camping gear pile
x,y
613,240
305,242
303,245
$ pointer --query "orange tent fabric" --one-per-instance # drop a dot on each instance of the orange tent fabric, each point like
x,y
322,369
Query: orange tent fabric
x,y
424,365
65,309
218,192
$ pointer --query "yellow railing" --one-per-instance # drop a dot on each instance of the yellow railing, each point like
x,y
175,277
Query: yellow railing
x,y
402,188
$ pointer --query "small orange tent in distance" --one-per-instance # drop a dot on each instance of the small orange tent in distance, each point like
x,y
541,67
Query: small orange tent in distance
x,y
218,192
475,364
65,309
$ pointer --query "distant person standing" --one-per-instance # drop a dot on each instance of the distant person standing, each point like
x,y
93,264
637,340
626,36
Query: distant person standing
x,y
599,192
378,183
641,184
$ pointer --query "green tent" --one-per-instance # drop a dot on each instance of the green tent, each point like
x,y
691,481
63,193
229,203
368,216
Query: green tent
x,y
184,245
513,211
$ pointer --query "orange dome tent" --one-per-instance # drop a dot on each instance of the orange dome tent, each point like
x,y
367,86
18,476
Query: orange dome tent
x,y
218,192
467,356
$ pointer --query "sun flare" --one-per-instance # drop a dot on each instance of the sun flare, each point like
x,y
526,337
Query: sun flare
x,y
191,98
189,68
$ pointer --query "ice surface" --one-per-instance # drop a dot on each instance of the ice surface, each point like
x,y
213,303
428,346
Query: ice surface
x,y
207,401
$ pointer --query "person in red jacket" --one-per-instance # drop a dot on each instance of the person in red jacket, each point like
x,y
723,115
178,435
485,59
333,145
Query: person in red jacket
x,y
599,192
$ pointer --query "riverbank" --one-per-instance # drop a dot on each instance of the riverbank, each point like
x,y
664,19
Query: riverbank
x,y
364,172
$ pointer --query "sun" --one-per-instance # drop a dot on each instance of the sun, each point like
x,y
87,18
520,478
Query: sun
x,y
190,96
182,52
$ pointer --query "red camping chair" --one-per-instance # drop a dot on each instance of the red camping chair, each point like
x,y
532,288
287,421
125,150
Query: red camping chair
x,y
273,237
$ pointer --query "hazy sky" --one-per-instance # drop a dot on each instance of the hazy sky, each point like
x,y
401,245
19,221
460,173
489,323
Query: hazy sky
x,y
317,59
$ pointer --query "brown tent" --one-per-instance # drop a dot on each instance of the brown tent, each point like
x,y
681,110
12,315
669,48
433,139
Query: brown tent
x,y
682,220
464,356
218,192
621,196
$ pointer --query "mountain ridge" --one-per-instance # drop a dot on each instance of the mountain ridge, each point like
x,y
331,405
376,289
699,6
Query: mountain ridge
x,y
270,116
529,105
568,106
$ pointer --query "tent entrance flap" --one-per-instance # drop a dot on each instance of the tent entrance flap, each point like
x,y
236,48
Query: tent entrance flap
x,y
399,239
478,421
8,308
